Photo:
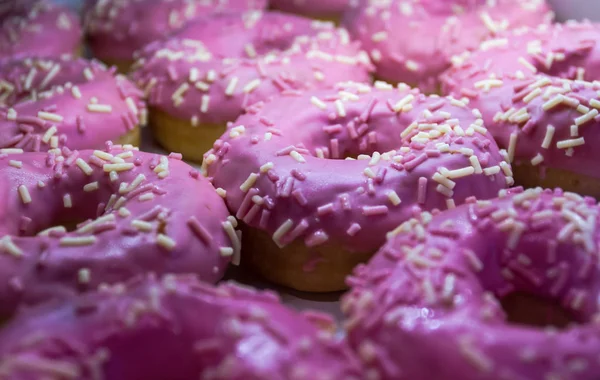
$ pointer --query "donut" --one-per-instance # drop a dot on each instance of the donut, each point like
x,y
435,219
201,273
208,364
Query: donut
x,y
117,28
10,6
41,28
309,216
436,292
539,101
444,28
150,329
56,102
192,92
72,220
331,10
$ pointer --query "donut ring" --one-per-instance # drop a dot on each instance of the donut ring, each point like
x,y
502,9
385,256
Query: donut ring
x,y
331,10
51,103
42,28
113,334
310,216
445,28
116,29
546,123
431,293
137,214
193,92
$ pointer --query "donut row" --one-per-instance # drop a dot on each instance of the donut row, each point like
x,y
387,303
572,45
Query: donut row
x,y
108,251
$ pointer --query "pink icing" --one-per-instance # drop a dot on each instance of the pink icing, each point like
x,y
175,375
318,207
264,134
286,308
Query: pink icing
x,y
185,79
282,165
427,305
172,328
327,9
542,120
8,7
444,28
51,104
118,28
138,219
43,29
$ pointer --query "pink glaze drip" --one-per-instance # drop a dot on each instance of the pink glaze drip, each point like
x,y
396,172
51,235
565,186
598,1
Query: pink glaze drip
x,y
186,79
51,103
325,9
138,216
118,28
173,328
42,28
413,42
549,121
286,158
427,305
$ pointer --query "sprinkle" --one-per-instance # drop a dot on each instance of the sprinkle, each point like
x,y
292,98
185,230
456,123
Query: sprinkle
x,y
587,117
570,143
145,197
11,114
83,276
266,167
24,194
7,244
283,229
249,182
401,104
444,181
77,241
231,86
459,173
204,103
527,64
221,192
512,146
16,164
297,156
548,137
49,133
318,102
374,210
558,99
87,169
538,159
341,111
251,86
165,241
50,117
87,73
226,251
118,167
493,170
99,108
393,197
411,65
141,225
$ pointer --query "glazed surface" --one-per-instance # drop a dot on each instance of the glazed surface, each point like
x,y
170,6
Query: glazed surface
x,y
133,215
112,334
444,28
431,293
118,28
541,100
185,78
51,103
282,168
42,28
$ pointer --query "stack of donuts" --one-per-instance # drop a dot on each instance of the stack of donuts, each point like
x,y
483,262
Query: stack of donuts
x,y
434,159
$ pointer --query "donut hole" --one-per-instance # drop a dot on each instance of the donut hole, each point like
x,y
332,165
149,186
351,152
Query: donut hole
x,y
526,309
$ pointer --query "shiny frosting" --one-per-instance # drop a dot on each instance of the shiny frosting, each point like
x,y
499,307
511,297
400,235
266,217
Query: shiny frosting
x,y
42,28
518,83
51,103
317,8
184,78
117,28
281,167
413,42
173,328
137,218
427,305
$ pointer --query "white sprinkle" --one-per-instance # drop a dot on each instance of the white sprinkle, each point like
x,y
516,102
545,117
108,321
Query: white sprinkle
x,y
226,251
67,201
7,244
165,241
16,164
527,64
141,225
221,192
92,186
297,156
538,159
266,167
251,86
87,73
459,173
548,137
512,146
393,197
11,114
24,193
50,117
78,241
411,65
475,163
558,99
99,108
341,111
118,167
231,86
204,103
444,181
144,197
49,133
318,102
249,182
87,169
587,117
282,230
83,276
570,143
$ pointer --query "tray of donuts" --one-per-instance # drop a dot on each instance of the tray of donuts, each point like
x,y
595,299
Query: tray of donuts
x,y
253,189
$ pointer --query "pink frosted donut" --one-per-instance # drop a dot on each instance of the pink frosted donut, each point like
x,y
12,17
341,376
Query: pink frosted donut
x,y
321,9
193,92
173,328
433,293
117,28
413,42
312,216
136,217
42,28
547,124
51,103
